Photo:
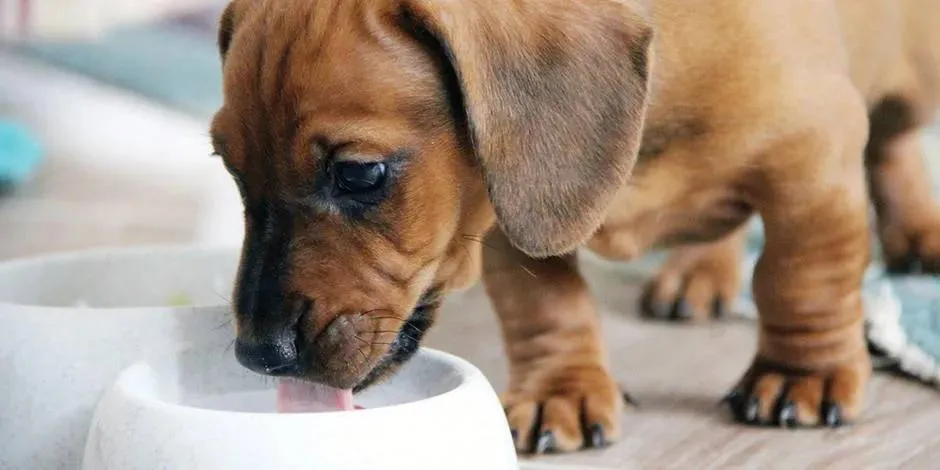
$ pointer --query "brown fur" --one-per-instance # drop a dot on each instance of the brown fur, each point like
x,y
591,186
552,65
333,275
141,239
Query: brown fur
x,y
617,125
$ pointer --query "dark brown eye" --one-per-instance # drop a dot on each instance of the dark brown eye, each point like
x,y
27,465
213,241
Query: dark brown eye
x,y
359,177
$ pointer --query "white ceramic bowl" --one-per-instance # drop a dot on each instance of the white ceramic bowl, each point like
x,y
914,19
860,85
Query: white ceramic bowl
x,y
438,413
70,323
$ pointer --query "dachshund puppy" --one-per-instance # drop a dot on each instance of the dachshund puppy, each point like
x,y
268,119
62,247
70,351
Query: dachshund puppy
x,y
380,145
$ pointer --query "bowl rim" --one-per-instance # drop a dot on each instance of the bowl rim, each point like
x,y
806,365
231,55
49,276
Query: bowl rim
x,y
78,255
469,375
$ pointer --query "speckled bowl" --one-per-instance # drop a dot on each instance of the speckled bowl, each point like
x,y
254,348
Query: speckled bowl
x,y
70,323
438,413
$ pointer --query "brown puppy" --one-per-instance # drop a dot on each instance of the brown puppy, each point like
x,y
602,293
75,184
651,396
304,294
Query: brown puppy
x,y
377,142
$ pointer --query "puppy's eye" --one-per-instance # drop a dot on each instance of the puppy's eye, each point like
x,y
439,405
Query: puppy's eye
x,y
359,177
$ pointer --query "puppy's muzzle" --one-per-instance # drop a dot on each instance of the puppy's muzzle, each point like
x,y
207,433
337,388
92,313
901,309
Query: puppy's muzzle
x,y
285,344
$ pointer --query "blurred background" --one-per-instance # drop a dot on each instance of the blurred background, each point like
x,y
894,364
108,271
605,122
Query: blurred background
x,y
104,112
118,101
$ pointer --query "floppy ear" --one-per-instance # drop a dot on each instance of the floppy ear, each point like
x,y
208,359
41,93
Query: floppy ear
x,y
226,29
553,96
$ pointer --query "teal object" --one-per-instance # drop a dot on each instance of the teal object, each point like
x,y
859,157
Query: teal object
x,y
20,153
920,319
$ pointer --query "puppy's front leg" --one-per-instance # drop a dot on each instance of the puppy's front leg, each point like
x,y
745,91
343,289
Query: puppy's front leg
x,y
561,396
812,363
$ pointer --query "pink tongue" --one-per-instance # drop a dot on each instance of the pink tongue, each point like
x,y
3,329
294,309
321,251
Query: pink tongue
x,y
294,396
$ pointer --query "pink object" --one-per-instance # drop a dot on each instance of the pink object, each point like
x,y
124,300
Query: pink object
x,y
296,396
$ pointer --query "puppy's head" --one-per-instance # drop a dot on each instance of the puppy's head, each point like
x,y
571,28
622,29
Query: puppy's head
x,y
375,142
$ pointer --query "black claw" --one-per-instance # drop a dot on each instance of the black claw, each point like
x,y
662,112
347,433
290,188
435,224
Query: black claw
x,y
751,410
909,264
653,308
628,399
595,435
744,408
930,266
646,304
682,310
832,415
545,443
732,399
515,435
787,415
720,308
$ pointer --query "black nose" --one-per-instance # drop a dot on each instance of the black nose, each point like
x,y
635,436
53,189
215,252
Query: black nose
x,y
275,355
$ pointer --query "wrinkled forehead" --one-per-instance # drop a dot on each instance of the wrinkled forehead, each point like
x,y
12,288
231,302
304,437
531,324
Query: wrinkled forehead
x,y
321,72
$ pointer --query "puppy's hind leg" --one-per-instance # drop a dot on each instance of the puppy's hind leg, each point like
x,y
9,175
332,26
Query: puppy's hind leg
x,y
697,282
900,187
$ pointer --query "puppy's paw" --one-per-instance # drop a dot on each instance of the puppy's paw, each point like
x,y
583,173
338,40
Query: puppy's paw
x,y
776,396
564,411
699,290
914,249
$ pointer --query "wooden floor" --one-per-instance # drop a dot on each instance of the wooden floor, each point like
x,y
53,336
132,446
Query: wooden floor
x,y
676,373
